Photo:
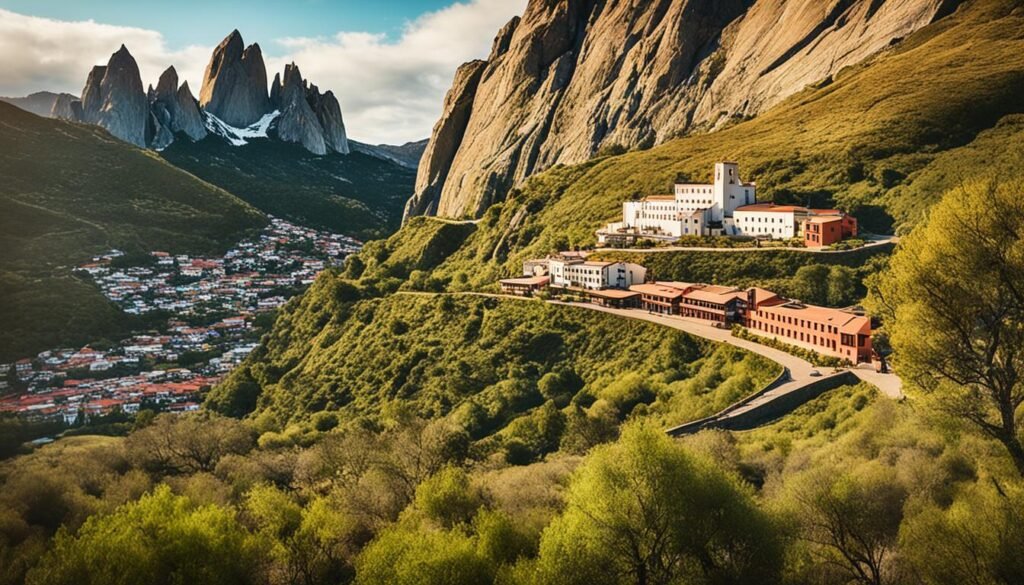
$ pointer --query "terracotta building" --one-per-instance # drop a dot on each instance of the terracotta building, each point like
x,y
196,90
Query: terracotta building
x,y
834,332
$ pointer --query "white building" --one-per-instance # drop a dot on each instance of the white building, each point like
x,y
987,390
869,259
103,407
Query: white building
x,y
594,275
726,208
693,210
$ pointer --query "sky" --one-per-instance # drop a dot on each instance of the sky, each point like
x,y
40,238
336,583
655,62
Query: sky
x,y
390,62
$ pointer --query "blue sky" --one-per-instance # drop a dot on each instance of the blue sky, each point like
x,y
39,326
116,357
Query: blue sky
x,y
191,22
390,62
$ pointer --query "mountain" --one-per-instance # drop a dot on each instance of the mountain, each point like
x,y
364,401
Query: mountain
x,y
358,194
408,155
71,191
883,139
569,80
40,103
233,104
235,84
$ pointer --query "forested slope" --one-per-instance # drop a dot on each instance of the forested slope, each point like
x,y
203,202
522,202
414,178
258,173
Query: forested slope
x,y
70,191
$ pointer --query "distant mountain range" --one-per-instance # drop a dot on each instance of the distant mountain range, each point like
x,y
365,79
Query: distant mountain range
x,y
233,102
297,162
40,103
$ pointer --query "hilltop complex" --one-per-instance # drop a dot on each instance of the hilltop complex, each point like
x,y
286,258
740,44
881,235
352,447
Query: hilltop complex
x,y
727,207
841,333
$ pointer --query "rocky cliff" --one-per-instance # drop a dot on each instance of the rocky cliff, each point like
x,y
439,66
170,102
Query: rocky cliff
x,y
572,77
307,117
235,84
234,92
114,99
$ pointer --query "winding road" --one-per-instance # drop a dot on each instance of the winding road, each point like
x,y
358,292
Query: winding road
x,y
798,376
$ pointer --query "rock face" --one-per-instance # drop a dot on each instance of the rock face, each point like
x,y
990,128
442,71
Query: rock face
x,y
175,109
328,112
445,140
572,77
297,122
307,117
234,91
64,107
114,99
235,84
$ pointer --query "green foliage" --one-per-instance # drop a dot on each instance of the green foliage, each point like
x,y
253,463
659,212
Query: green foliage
x,y
850,518
70,191
355,194
977,539
162,538
448,498
404,557
560,385
645,511
189,443
479,360
954,298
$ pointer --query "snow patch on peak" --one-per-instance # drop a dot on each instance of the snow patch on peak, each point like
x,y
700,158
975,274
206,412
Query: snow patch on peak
x,y
240,136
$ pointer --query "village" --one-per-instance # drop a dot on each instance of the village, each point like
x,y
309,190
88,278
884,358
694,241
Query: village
x,y
726,208
209,309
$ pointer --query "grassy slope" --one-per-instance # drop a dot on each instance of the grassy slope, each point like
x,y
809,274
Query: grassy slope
x,y
438,354
884,139
357,194
69,191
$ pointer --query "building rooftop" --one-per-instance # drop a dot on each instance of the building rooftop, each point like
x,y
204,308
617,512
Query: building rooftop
x,y
771,207
657,290
613,293
527,281
824,218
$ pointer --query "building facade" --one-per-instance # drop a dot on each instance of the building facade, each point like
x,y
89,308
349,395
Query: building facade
x,y
835,332
825,230
586,275
693,209
727,207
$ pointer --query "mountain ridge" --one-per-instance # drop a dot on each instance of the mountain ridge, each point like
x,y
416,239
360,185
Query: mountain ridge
x,y
234,90
560,84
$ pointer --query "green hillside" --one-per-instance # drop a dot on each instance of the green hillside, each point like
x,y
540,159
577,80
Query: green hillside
x,y
356,194
70,191
884,140
481,360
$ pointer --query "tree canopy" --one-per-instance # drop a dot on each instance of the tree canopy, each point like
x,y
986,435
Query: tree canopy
x,y
955,289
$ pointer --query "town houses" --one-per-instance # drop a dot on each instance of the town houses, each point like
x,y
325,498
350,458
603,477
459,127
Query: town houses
x,y
727,207
212,303
840,333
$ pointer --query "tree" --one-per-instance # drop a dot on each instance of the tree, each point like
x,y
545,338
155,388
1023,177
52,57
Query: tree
x,y
160,539
188,443
448,497
811,283
978,539
646,511
955,295
850,520
404,556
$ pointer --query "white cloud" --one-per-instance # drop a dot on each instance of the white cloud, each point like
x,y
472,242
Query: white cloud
x,y
390,91
44,54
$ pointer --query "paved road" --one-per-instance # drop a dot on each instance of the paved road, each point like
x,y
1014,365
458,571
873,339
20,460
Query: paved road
x,y
872,242
799,369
